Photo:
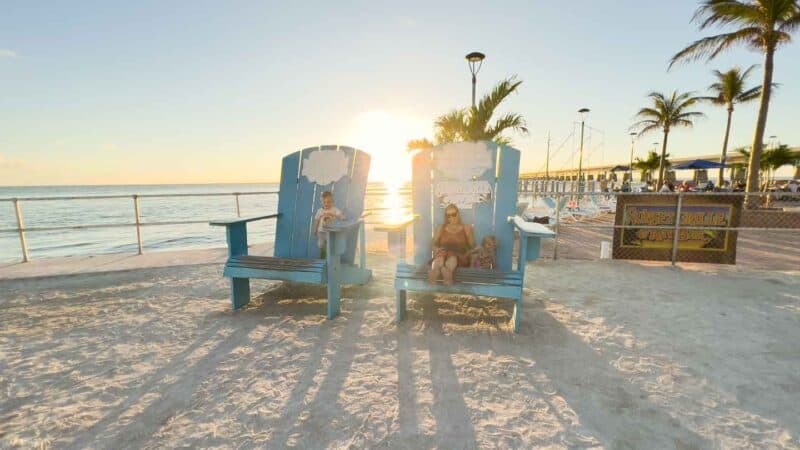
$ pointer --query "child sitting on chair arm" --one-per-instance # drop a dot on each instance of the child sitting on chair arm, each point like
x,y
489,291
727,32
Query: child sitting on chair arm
x,y
483,257
325,216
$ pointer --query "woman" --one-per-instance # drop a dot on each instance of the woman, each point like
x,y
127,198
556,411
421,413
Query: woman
x,y
452,242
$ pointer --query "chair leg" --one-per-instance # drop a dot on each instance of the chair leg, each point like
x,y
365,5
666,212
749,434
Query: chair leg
x,y
334,293
240,292
517,317
401,305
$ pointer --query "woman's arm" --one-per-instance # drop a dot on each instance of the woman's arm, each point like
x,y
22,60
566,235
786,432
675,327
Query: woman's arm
x,y
470,236
437,235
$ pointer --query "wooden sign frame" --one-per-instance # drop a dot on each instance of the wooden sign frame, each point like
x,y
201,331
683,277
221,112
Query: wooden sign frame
x,y
694,245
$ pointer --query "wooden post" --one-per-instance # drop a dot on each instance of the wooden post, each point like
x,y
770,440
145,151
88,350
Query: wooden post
x,y
21,228
238,212
138,222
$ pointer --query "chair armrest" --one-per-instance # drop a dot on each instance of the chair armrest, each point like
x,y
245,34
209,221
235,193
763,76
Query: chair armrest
x,y
396,235
531,228
399,225
342,225
224,223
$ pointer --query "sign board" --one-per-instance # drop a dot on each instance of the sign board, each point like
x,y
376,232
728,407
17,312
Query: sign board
x,y
462,177
694,245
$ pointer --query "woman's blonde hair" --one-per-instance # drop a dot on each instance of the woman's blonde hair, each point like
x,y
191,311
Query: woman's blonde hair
x,y
458,213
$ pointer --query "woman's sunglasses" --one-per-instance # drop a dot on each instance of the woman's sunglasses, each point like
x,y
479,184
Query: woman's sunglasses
x,y
453,214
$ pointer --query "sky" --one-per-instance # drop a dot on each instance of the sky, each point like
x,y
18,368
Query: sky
x,y
211,92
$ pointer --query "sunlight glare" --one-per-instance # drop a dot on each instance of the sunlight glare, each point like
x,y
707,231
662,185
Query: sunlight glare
x,y
384,135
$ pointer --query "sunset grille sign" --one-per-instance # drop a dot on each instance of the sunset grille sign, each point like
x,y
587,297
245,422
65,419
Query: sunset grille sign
x,y
651,219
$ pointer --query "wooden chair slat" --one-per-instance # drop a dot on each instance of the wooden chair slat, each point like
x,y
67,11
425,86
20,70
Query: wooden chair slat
x,y
421,200
505,206
284,228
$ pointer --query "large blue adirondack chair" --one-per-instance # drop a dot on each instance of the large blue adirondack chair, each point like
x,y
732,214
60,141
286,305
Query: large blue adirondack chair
x,y
304,176
481,179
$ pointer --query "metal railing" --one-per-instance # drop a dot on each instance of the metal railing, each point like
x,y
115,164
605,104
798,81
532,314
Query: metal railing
x,y
22,230
561,225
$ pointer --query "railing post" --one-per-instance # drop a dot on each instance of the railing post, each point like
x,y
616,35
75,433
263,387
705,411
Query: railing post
x,y
21,227
238,212
138,222
677,229
558,223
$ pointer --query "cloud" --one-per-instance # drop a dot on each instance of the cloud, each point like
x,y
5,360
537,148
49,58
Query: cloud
x,y
6,53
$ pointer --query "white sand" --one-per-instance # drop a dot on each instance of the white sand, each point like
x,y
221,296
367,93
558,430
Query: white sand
x,y
612,354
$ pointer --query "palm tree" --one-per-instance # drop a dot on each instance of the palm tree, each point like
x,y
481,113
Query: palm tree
x,y
771,161
649,164
730,90
418,144
774,159
762,25
472,124
666,113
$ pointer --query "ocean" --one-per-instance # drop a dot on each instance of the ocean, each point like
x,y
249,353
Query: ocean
x,y
93,241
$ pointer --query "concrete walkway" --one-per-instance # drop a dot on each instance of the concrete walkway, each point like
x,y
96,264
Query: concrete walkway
x,y
71,265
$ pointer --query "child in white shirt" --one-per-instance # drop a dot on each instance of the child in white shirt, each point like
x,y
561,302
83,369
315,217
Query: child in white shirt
x,y
324,216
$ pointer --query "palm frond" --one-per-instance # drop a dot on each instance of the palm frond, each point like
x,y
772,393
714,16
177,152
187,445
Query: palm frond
x,y
727,12
509,121
479,116
450,127
791,24
710,47
645,128
688,115
419,144
751,94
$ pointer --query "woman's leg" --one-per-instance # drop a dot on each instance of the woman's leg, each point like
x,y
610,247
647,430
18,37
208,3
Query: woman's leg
x,y
436,269
450,265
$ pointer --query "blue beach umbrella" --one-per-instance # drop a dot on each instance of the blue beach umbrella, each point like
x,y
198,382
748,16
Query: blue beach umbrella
x,y
698,164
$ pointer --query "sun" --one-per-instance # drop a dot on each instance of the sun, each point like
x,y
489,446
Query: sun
x,y
384,135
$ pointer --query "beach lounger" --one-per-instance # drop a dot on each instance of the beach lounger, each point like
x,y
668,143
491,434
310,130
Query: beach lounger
x,y
481,179
304,176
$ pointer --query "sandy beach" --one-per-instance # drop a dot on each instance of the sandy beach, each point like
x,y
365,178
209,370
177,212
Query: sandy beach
x,y
702,357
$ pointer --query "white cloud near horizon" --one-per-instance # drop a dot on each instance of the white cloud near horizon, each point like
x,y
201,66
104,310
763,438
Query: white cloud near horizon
x,y
6,53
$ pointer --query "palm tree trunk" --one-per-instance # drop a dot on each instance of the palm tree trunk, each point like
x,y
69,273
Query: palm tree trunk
x,y
725,148
661,163
754,167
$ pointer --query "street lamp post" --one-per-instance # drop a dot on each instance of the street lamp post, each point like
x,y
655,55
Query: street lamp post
x,y
582,112
630,167
475,61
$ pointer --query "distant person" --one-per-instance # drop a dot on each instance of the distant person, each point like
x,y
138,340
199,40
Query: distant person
x,y
451,243
793,188
325,216
685,186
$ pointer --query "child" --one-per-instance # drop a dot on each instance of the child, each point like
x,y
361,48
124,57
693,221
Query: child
x,y
325,215
483,257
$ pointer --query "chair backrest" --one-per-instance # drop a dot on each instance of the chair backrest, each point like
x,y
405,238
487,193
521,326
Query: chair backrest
x,y
478,177
305,175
